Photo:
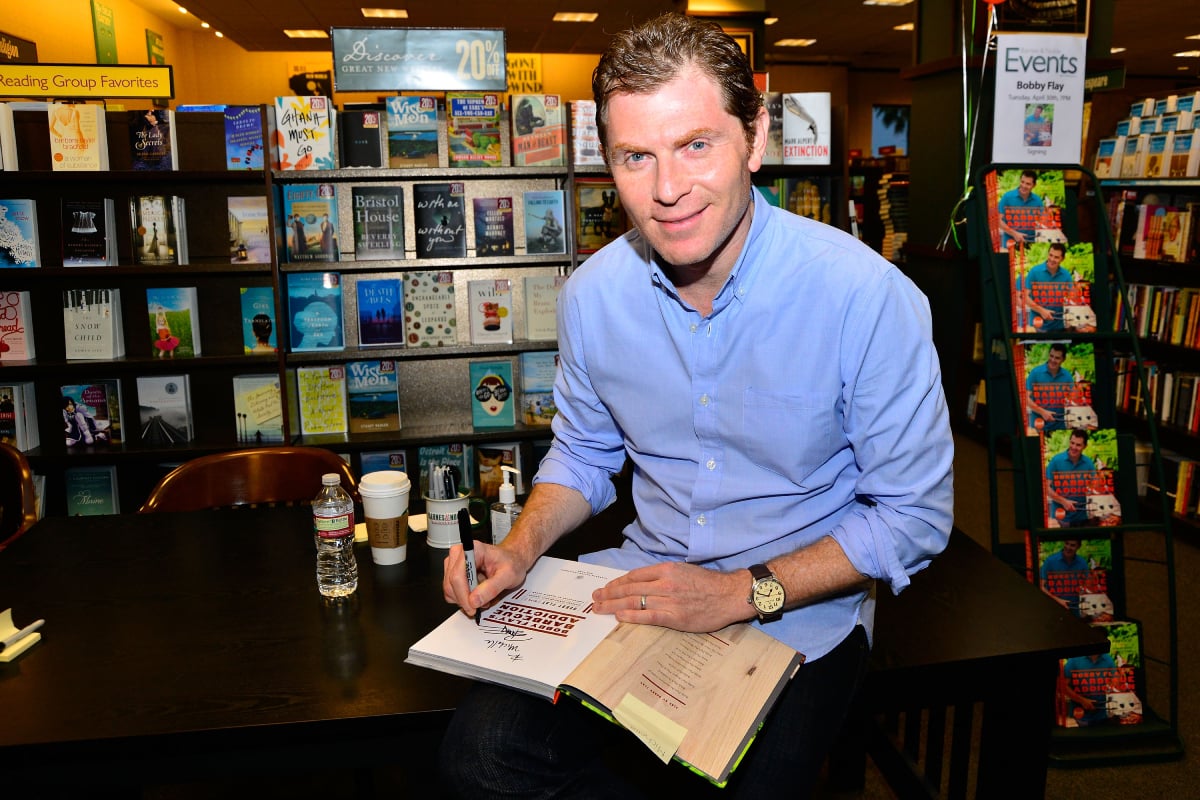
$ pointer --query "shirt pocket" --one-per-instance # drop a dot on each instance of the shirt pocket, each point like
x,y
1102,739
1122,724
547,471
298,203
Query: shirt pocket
x,y
791,434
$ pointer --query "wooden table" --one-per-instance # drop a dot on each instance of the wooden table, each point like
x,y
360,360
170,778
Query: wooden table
x,y
178,646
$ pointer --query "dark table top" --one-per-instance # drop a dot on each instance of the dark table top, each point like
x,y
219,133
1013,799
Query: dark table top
x,y
205,631
206,625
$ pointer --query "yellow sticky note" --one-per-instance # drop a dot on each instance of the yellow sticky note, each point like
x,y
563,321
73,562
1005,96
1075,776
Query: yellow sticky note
x,y
660,734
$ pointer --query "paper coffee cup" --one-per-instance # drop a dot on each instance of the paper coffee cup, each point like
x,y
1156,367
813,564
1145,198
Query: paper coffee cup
x,y
385,506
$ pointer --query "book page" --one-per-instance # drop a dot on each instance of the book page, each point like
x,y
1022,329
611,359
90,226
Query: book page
x,y
717,686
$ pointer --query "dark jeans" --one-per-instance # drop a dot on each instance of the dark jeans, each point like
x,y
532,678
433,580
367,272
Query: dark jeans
x,y
502,743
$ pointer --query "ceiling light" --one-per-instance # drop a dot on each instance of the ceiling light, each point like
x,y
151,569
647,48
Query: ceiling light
x,y
304,34
1115,50
908,26
770,20
575,16
795,42
205,25
182,10
385,13
1188,54
886,2
218,34
1193,36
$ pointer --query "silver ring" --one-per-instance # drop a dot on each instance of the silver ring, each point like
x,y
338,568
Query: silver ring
x,y
643,602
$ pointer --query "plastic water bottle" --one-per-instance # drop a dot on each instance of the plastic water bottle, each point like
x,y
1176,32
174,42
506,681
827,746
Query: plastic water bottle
x,y
333,528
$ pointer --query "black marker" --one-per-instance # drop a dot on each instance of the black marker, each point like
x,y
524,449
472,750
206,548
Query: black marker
x,y
468,544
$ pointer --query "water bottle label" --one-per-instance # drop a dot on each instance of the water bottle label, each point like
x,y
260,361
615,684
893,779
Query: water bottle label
x,y
334,527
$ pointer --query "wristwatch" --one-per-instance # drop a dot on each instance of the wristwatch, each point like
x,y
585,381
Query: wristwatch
x,y
767,594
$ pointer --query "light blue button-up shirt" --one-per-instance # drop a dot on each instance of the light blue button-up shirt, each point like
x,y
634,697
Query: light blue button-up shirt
x,y
807,404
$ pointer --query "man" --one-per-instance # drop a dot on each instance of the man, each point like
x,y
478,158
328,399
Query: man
x,y
1064,574
1047,389
1067,477
1047,288
1020,212
755,462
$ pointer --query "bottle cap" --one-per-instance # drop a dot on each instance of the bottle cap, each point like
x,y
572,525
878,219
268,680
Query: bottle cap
x,y
331,479
508,492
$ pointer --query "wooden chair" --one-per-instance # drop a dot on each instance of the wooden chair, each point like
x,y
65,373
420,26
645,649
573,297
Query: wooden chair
x,y
253,477
18,503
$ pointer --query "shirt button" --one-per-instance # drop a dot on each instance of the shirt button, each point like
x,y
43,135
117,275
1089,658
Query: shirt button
x,y
693,327
703,399
701,520
712,463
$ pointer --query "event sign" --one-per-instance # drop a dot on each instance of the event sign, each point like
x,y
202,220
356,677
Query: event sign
x,y
1039,98
418,59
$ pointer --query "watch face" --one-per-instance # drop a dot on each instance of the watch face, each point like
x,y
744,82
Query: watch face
x,y
768,596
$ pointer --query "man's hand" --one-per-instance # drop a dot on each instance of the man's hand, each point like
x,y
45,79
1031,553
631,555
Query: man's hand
x,y
498,570
684,597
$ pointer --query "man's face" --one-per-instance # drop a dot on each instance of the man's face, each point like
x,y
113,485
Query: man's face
x,y
682,167
1053,259
1075,448
1070,548
1026,186
1054,361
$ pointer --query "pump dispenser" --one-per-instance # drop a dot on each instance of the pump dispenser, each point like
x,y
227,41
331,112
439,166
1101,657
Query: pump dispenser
x,y
505,512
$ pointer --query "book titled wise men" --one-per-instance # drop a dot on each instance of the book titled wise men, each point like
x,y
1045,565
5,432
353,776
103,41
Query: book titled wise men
x,y
473,129
493,220
539,130
373,396
430,315
543,638
412,130
440,210
19,245
378,222
304,133
152,145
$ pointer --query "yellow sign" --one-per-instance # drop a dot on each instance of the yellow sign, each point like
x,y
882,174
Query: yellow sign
x,y
525,73
80,81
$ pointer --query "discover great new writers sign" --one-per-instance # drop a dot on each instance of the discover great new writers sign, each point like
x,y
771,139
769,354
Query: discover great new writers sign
x,y
1039,98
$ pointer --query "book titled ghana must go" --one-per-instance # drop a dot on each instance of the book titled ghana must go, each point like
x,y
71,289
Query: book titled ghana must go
x,y
543,638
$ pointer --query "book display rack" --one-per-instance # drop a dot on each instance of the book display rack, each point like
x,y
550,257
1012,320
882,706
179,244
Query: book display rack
x,y
1059,352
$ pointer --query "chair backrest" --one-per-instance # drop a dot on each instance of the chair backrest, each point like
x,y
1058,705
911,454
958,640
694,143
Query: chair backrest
x,y
253,477
18,503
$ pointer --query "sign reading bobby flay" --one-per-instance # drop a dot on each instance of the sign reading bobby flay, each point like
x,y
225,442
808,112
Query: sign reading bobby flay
x,y
1039,98
418,59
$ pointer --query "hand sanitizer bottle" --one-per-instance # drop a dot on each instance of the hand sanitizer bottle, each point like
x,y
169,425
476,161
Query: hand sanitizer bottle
x,y
505,512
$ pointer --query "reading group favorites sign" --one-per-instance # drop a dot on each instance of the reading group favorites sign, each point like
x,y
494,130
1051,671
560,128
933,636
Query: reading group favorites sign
x,y
418,59
74,80
1039,98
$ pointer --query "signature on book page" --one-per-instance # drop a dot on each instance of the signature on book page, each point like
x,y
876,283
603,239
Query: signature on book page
x,y
504,639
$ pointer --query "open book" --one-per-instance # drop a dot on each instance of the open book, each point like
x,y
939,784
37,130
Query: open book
x,y
697,697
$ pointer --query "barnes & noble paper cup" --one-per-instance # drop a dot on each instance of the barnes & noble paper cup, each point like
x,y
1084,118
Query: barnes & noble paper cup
x,y
385,506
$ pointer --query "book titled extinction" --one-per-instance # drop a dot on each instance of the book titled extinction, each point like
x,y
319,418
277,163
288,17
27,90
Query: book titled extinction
x,y
243,137
539,130
430,318
249,234
152,145
807,134
310,221
380,312
490,305
493,401
92,324
259,336
412,126
159,230
545,213
493,220
378,222
373,397
89,233
174,322
473,129
304,133
543,638
441,230
315,310
19,245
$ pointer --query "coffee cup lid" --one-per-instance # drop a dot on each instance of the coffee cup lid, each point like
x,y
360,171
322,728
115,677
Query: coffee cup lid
x,y
384,483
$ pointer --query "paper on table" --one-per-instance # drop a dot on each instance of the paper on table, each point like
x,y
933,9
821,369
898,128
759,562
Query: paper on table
x,y
660,734
7,629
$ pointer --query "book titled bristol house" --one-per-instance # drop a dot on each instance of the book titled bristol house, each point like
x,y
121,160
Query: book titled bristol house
x,y
378,222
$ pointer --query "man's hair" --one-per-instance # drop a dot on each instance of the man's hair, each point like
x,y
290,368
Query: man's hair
x,y
1028,173
643,59
1060,247
1080,433
1060,347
